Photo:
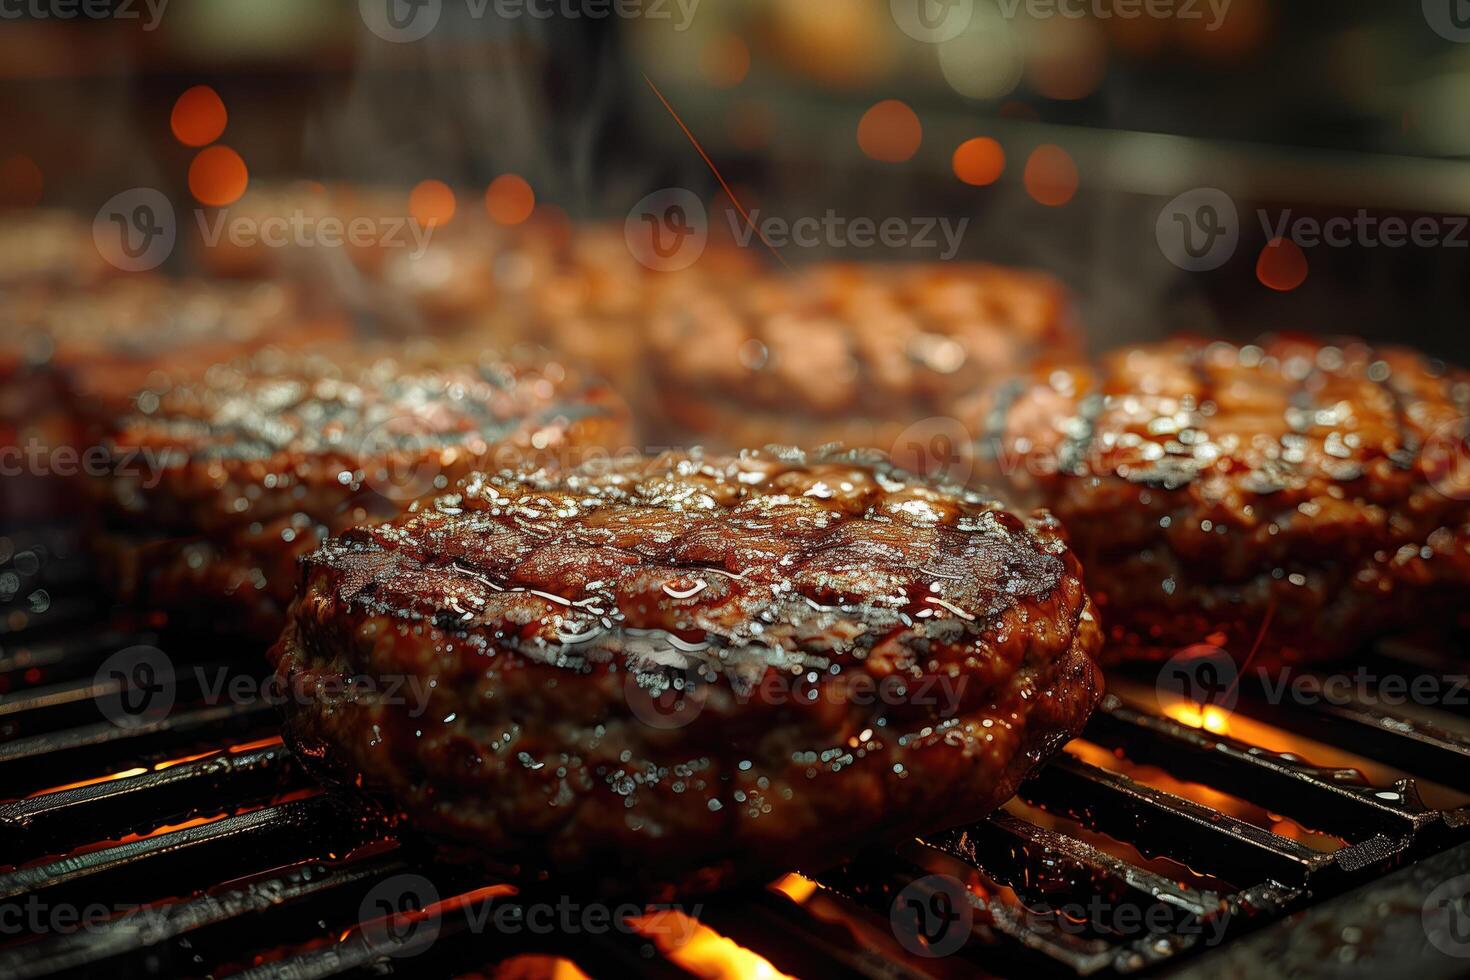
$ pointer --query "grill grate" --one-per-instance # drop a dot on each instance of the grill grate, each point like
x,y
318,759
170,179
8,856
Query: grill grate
x,y
213,852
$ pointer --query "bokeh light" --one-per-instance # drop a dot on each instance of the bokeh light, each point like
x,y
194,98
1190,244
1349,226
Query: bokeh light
x,y
1282,265
198,116
979,161
217,176
986,60
509,200
889,132
1050,175
431,203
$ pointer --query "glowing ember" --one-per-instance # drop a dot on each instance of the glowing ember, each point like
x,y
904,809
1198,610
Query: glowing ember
x,y
1051,175
509,199
889,132
1282,265
198,117
706,953
979,161
218,176
431,203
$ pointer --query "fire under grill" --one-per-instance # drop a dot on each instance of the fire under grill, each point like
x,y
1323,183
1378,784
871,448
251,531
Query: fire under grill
x,y
1184,839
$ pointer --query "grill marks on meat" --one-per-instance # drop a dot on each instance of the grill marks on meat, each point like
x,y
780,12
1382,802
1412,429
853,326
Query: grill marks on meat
x,y
267,456
668,673
846,353
1204,483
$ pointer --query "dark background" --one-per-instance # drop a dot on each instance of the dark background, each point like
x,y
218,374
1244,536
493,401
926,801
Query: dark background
x,y
1321,107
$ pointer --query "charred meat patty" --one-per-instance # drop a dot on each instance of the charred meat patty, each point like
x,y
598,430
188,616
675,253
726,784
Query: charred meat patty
x,y
72,357
684,671
1315,491
219,483
843,352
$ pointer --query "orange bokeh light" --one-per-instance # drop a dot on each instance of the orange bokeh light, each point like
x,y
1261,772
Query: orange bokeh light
x,y
979,161
431,203
199,116
21,181
726,61
1282,265
1050,175
509,199
217,176
889,132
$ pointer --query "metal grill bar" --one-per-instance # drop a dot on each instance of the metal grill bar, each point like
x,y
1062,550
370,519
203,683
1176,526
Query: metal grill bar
x,y
1162,824
1336,801
310,911
51,823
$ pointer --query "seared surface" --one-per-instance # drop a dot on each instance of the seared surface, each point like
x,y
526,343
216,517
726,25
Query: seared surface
x,y
1204,484
655,674
846,353
264,457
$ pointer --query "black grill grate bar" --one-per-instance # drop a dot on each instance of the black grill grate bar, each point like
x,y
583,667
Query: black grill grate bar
x,y
1013,940
298,896
32,763
67,656
1162,824
62,820
1332,800
164,865
63,613
1415,746
1048,866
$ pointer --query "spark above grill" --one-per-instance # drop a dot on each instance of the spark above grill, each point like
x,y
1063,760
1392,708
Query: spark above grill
x,y
200,846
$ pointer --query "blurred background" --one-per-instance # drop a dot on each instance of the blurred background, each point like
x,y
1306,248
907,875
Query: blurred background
x,y
1060,129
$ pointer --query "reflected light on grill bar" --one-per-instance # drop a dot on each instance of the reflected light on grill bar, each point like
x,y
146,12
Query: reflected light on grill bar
x,y
795,887
1209,717
707,953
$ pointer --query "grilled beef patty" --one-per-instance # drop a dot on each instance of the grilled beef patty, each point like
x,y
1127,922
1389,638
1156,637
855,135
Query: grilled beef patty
x,y
684,671
845,353
221,483
1208,487
72,358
